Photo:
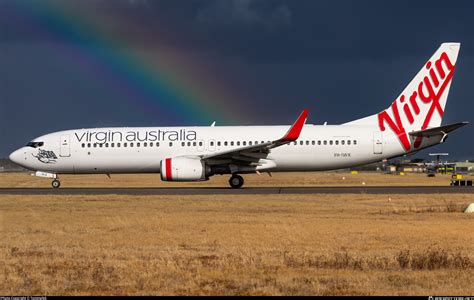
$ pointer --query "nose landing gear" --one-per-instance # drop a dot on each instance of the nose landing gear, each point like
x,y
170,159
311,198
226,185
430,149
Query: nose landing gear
x,y
236,181
56,184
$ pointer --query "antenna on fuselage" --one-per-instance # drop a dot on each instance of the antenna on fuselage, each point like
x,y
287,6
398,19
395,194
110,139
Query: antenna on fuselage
x,y
213,124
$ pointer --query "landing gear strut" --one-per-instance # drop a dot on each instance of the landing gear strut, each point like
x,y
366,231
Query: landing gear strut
x,y
56,183
236,181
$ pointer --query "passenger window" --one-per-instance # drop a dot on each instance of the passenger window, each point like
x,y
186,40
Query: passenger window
x,y
342,142
244,143
95,145
183,144
355,142
307,143
212,144
171,144
106,145
138,144
238,143
219,143
145,144
319,143
250,143
83,145
325,143
349,142
112,145
313,143
337,143
124,145
200,143
225,143
131,144
301,143
232,143
118,145
330,142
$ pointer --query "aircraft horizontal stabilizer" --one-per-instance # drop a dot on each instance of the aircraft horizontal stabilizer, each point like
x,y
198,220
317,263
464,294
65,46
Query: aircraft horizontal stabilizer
x,y
443,130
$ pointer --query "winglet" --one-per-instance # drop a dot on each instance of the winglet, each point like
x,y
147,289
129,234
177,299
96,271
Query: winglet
x,y
294,132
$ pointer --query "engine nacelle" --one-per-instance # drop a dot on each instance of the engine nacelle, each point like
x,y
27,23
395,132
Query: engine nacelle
x,y
183,169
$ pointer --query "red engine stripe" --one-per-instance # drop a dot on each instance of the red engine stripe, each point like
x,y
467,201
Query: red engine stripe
x,y
168,169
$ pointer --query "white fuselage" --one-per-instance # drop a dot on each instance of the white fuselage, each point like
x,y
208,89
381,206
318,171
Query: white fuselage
x,y
412,122
140,150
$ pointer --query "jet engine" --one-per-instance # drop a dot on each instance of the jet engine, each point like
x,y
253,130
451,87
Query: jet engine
x,y
183,169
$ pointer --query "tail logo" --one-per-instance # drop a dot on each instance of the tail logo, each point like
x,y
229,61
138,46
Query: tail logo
x,y
424,95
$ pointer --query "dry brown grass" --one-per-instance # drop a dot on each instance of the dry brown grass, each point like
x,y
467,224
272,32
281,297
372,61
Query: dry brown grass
x,y
211,245
251,180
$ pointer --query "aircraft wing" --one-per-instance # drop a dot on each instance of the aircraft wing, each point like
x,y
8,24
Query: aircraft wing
x,y
250,155
443,130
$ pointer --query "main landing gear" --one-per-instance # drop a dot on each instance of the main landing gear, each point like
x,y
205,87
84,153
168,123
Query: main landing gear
x,y
56,183
236,181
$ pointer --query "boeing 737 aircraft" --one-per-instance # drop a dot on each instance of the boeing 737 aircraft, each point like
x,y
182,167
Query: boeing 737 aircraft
x,y
411,123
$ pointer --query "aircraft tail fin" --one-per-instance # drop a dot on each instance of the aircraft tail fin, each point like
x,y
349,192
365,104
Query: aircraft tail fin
x,y
422,103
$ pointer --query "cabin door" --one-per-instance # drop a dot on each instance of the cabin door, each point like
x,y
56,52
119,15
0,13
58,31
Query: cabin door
x,y
378,142
65,148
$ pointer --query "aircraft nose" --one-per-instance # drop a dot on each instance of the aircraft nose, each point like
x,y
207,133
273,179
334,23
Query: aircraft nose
x,y
15,156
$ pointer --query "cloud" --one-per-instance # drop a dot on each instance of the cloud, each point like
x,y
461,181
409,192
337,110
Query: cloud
x,y
247,13
138,2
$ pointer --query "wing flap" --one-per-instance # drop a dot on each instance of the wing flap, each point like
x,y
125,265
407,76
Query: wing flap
x,y
254,153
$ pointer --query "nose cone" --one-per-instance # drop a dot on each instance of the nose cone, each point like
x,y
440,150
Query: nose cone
x,y
15,157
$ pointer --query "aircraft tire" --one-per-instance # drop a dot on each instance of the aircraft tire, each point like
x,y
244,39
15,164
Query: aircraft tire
x,y
236,181
56,184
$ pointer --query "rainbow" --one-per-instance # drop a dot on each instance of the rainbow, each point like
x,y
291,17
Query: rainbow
x,y
161,83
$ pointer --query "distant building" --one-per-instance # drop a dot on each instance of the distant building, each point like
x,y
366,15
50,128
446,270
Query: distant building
x,y
464,166
419,166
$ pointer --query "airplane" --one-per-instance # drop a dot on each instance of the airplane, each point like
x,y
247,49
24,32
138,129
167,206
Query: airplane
x,y
411,123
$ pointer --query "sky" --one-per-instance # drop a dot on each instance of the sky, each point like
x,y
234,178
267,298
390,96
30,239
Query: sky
x,y
97,63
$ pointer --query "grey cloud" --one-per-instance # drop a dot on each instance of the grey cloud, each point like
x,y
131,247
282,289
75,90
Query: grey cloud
x,y
248,13
138,2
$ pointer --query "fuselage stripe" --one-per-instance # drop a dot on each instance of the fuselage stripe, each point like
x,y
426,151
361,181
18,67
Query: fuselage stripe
x,y
168,169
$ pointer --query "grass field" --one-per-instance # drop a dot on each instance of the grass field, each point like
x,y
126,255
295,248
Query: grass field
x,y
259,245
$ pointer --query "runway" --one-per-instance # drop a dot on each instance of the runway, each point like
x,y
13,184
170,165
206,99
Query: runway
x,y
243,191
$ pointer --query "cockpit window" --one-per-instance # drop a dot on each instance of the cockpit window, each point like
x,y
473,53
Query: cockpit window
x,y
35,144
